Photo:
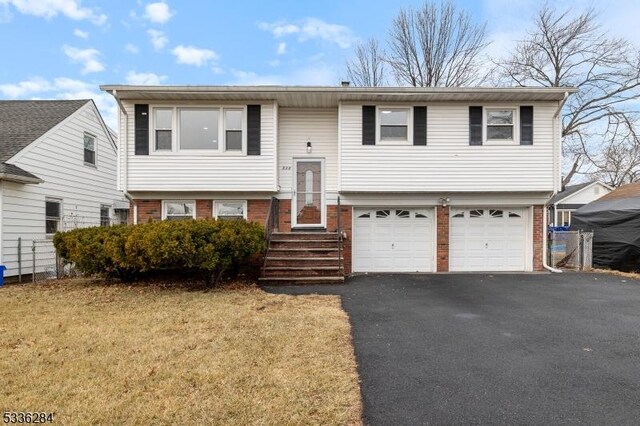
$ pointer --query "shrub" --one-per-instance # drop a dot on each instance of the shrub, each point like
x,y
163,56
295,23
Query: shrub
x,y
208,247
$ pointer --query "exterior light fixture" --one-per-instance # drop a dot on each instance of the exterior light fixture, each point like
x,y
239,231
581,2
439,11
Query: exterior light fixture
x,y
444,202
308,147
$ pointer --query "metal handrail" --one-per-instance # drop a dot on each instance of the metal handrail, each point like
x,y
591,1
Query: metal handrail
x,y
339,230
270,225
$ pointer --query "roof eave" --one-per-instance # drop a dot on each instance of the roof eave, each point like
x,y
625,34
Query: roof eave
x,y
20,179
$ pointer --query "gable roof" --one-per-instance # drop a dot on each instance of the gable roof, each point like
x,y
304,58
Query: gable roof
x,y
22,122
568,190
630,190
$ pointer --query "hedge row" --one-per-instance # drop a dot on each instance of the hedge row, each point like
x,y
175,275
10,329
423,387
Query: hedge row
x,y
209,247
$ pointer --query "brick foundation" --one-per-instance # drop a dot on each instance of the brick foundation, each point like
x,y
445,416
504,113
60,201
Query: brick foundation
x,y
442,237
284,216
149,210
257,210
204,209
538,229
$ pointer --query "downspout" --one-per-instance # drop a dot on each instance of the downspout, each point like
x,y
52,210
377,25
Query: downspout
x,y
125,159
556,166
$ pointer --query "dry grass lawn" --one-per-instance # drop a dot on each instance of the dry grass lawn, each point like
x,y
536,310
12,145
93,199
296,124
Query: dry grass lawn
x,y
111,354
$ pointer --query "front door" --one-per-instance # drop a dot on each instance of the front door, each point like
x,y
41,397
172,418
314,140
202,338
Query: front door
x,y
308,194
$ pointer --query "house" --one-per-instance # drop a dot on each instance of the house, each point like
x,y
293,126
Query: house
x,y
573,197
614,220
57,171
427,179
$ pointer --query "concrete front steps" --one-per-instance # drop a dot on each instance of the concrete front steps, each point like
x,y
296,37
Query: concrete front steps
x,y
295,258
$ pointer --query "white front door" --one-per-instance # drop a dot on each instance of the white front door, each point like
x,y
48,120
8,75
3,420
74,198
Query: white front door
x,y
488,239
307,204
393,240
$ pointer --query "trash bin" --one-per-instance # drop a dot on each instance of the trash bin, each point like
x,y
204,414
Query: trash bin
x,y
2,269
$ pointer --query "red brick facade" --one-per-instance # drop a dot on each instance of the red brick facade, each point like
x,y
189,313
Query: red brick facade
x,y
204,209
257,210
284,216
442,238
538,229
149,210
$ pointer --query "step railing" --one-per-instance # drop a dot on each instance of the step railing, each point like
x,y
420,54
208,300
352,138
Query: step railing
x,y
270,225
339,230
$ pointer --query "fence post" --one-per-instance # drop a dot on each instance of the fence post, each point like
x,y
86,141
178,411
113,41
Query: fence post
x,y
33,261
19,259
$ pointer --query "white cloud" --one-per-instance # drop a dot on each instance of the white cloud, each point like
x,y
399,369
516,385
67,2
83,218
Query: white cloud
x,y
48,9
145,78
274,63
190,55
158,39
63,88
312,29
217,70
158,13
132,48
282,48
81,34
87,57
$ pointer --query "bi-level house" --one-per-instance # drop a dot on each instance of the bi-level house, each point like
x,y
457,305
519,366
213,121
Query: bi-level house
x,y
427,179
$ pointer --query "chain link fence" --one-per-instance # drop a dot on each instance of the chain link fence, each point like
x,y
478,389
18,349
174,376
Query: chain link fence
x,y
35,259
571,250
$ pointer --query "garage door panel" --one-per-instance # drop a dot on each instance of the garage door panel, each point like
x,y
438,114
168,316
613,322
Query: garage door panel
x,y
487,239
393,240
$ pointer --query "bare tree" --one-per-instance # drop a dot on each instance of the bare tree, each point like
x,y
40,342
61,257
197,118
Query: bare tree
x,y
569,50
368,67
436,45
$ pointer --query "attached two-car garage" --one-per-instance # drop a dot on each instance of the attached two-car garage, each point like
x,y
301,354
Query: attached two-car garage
x,y
403,239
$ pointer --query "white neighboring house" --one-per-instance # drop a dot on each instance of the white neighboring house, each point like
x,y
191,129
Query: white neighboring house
x,y
58,163
564,203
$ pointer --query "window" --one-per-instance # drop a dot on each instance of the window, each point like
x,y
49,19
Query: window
x,y
89,149
53,210
233,129
231,210
394,124
105,217
178,210
476,213
163,126
500,125
121,216
199,128
564,218
404,214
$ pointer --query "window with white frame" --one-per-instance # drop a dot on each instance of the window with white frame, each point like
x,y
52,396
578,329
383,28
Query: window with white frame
x,y
53,215
500,125
163,129
179,210
105,216
564,218
89,149
202,129
231,210
394,124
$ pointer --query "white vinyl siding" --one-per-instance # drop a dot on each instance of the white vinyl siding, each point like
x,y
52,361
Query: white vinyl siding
x,y
200,171
296,127
447,164
58,159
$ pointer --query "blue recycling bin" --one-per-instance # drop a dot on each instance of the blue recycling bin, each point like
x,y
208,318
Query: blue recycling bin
x,y
2,269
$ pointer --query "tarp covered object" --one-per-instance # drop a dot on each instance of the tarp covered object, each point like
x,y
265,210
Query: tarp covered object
x,y
615,223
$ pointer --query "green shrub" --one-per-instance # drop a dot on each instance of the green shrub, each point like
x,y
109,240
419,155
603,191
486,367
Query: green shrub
x,y
208,247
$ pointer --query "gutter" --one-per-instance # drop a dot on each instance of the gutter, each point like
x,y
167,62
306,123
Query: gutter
x,y
125,160
545,212
20,179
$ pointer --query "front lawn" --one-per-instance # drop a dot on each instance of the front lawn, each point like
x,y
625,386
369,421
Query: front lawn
x,y
98,353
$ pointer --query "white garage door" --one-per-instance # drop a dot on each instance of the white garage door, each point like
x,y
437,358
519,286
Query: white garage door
x,y
488,239
393,240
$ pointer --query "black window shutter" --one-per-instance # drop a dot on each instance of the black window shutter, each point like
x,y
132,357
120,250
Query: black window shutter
x,y
475,125
141,117
420,125
526,125
368,125
253,129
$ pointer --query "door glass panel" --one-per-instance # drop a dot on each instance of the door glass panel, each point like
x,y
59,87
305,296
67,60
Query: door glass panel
x,y
309,193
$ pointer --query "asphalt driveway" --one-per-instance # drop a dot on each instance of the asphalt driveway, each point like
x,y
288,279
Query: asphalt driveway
x,y
495,349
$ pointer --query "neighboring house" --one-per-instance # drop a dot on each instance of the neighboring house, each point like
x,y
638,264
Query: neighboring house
x,y
429,179
614,220
58,165
572,198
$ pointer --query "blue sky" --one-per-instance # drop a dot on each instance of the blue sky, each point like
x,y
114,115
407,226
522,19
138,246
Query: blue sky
x,y
66,48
